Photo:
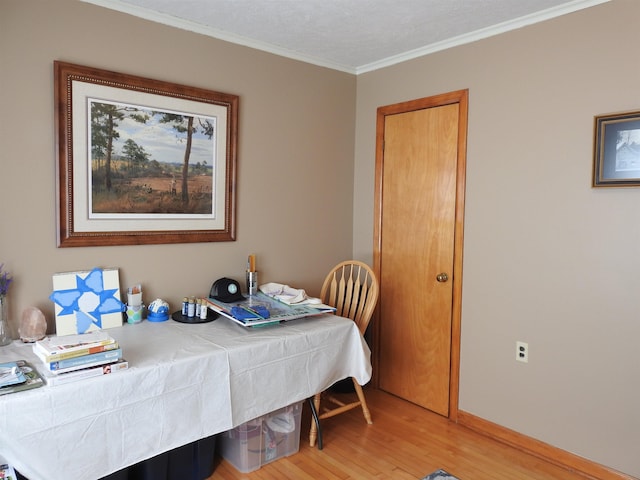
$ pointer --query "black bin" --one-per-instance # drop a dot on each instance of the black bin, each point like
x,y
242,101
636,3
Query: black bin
x,y
194,461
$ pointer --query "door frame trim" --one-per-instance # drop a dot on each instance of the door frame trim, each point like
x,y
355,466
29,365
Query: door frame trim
x,y
460,97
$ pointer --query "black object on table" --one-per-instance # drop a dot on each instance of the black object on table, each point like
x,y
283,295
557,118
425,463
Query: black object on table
x,y
179,317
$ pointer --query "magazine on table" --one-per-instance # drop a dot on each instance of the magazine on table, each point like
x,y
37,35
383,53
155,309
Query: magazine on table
x,y
27,378
7,472
10,374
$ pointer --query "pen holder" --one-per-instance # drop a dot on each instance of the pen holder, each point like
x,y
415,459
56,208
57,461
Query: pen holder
x,y
252,283
134,299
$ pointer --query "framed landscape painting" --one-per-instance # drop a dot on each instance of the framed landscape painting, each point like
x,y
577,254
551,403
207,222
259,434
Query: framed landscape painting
x,y
142,161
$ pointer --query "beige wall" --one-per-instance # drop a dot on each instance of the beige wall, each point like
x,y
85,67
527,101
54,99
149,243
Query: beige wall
x,y
547,259
295,153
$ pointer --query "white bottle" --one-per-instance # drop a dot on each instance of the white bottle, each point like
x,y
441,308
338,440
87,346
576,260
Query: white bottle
x,y
203,310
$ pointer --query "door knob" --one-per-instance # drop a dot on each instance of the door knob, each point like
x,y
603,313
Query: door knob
x,y
442,277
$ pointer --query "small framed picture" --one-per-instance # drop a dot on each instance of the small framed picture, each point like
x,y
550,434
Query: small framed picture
x,y
616,151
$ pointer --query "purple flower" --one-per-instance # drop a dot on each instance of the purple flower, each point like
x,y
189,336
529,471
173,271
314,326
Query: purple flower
x,y
5,281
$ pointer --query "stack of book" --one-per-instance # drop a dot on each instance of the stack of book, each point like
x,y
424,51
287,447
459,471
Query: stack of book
x,y
69,358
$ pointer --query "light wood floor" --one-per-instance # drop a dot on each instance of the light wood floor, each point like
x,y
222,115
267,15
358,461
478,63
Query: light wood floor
x,y
404,442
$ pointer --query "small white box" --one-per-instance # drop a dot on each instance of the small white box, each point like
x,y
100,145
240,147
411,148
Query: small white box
x,y
263,440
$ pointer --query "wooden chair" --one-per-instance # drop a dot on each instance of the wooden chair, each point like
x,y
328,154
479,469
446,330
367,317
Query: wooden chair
x,y
352,288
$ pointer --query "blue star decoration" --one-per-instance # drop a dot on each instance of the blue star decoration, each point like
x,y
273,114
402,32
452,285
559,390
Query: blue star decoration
x,y
88,301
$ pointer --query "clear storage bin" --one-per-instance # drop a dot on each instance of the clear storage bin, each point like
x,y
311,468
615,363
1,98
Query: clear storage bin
x,y
263,440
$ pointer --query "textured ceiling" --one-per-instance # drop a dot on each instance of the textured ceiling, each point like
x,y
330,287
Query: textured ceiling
x,y
349,35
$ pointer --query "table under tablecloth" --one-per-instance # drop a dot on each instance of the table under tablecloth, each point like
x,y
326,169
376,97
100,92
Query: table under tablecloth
x,y
185,382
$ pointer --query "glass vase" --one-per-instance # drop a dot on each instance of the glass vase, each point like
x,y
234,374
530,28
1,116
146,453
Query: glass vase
x,y
5,336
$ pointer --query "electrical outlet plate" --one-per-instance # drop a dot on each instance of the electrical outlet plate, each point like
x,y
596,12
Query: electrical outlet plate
x,y
522,352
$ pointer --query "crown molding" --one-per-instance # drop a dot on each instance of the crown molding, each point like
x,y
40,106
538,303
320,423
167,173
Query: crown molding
x,y
515,24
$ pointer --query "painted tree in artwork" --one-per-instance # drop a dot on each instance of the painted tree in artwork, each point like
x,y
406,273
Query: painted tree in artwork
x,y
184,124
135,155
105,120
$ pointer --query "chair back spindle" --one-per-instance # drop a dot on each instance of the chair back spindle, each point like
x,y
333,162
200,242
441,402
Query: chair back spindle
x,y
353,290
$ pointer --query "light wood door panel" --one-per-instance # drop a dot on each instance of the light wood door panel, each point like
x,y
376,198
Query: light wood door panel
x,y
417,239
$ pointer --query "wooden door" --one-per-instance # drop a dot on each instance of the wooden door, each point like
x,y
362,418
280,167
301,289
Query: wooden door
x,y
419,200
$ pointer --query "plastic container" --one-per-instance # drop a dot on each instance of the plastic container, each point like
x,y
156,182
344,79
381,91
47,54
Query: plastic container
x,y
262,440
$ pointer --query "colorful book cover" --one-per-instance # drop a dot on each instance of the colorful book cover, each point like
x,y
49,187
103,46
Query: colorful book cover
x,y
10,374
61,379
75,353
7,472
33,379
67,346
84,360
97,363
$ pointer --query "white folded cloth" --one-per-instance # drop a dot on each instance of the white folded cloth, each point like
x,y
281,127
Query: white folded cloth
x,y
287,294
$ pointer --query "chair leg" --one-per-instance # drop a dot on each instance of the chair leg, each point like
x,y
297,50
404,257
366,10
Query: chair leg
x,y
316,428
363,402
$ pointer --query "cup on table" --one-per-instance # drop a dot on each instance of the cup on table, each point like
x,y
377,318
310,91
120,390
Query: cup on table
x,y
134,313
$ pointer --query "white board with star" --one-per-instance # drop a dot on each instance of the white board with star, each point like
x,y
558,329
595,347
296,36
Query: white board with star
x,y
86,301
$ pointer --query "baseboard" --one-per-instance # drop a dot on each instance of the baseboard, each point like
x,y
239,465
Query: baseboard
x,y
540,449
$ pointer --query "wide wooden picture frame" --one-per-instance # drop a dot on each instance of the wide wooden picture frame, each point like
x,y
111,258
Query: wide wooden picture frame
x,y
142,161
616,151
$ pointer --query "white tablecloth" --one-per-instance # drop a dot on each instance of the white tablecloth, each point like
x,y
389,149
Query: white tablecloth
x,y
184,382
